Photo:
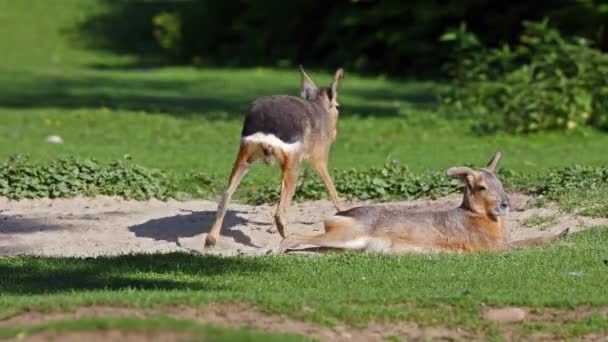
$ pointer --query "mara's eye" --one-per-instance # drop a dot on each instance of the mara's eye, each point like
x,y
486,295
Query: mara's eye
x,y
481,188
337,106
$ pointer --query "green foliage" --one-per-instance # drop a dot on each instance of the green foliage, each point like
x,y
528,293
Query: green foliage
x,y
591,201
565,180
391,181
67,177
197,184
585,202
544,82
580,189
189,120
373,36
463,44
168,32
395,181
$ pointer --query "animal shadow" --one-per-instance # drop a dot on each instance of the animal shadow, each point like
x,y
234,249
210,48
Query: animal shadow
x,y
173,228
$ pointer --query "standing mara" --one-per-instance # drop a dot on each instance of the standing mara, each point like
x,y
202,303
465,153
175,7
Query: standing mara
x,y
288,129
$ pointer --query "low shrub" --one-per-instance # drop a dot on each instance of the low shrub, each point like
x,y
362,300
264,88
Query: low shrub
x,y
391,181
544,82
66,177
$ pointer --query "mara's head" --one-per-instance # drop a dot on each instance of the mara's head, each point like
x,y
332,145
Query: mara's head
x,y
326,96
483,191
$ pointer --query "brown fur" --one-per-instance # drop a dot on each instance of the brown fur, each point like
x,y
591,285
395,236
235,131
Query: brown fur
x,y
477,225
320,116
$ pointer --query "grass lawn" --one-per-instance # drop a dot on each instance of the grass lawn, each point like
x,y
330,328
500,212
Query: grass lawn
x,y
442,289
184,120
149,328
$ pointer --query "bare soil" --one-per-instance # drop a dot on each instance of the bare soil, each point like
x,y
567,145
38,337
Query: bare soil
x,y
240,316
85,227
228,315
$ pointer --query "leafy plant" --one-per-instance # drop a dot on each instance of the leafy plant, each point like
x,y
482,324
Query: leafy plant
x,y
67,177
390,181
574,188
544,82
580,189
168,32
197,184
574,178
376,36
463,43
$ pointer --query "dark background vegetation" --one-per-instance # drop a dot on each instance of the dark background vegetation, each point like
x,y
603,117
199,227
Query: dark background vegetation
x,y
391,36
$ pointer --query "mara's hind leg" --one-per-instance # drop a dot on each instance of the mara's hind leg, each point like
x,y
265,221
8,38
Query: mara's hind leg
x,y
238,170
290,167
320,165
535,241
339,233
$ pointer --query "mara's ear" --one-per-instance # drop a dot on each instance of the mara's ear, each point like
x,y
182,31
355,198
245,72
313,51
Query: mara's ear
x,y
494,161
465,173
309,89
335,84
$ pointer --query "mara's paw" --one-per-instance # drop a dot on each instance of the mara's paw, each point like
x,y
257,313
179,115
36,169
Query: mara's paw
x,y
210,240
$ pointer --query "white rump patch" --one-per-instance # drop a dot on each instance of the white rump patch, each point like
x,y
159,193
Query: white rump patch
x,y
272,140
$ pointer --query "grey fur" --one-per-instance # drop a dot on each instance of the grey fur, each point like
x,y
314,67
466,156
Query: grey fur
x,y
286,117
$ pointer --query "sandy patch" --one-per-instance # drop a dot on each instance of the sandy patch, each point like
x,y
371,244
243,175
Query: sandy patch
x,y
234,316
112,226
241,316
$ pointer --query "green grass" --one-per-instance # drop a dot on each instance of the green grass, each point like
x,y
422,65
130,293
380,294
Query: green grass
x,y
540,221
42,35
586,202
184,120
437,289
187,330
170,119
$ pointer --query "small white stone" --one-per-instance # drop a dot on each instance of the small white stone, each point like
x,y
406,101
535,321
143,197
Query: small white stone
x,y
54,139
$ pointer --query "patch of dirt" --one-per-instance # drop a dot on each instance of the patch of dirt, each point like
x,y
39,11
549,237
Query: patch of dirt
x,y
559,315
509,314
85,227
233,316
240,316
508,318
